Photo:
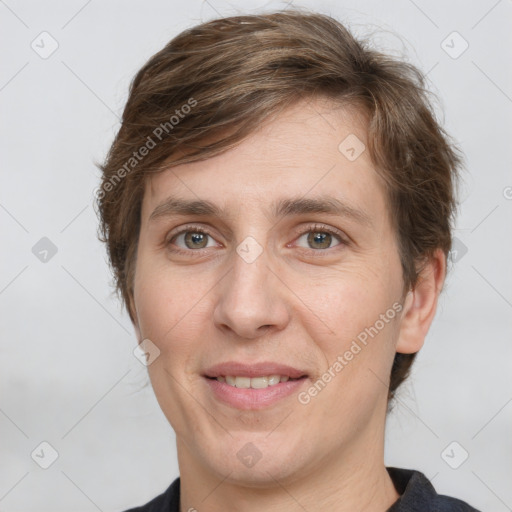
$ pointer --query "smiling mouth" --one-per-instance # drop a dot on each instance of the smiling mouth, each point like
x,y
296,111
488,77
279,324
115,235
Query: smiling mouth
x,y
254,382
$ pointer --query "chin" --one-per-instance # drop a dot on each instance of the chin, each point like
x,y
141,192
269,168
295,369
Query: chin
x,y
253,460
262,475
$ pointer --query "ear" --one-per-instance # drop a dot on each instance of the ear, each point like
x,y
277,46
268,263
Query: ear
x,y
420,305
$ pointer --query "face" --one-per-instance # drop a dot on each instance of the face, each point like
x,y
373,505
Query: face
x,y
290,270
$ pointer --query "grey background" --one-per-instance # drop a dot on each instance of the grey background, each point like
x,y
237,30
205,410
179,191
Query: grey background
x,y
67,372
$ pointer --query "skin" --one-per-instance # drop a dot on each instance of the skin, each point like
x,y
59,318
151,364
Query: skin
x,y
300,303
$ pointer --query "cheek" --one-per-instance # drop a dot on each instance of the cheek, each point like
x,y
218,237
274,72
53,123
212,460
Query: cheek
x,y
173,309
160,303
347,301
152,299
169,311
357,307
358,354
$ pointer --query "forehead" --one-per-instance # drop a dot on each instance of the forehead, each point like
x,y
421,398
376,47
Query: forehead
x,y
316,148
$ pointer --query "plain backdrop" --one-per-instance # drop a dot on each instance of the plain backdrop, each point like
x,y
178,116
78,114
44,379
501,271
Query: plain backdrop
x,y
68,376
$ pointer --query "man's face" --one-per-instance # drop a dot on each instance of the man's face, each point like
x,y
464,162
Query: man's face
x,y
298,290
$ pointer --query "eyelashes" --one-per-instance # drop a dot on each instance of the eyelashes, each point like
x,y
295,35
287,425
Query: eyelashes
x,y
313,232
184,231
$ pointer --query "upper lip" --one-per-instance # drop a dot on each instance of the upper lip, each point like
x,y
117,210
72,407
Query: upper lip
x,y
239,369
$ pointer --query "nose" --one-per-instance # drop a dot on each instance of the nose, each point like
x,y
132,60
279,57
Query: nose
x,y
251,299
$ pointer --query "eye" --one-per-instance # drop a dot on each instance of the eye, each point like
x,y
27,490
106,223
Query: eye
x,y
193,238
320,237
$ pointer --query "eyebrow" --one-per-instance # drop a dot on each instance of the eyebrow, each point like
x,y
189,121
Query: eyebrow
x,y
173,206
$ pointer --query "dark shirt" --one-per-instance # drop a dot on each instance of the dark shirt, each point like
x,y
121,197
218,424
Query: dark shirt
x,y
416,495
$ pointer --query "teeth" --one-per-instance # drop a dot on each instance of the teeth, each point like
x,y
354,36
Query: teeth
x,y
259,382
254,382
230,380
275,379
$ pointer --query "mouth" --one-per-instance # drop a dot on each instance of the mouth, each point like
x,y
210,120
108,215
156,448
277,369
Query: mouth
x,y
253,386
254,382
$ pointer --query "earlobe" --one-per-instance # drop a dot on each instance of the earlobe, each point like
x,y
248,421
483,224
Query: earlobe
x,y
420,305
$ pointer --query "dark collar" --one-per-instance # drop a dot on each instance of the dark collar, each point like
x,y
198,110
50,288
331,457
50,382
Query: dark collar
x,y
416,495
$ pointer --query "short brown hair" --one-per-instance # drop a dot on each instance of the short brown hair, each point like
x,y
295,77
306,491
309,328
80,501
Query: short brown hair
x,y
208,88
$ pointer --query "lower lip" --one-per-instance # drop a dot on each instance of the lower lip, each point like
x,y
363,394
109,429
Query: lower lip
x,y
252,399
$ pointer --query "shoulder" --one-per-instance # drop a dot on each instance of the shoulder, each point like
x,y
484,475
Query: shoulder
x,y
417,494
168,501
